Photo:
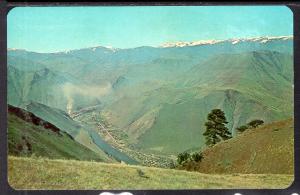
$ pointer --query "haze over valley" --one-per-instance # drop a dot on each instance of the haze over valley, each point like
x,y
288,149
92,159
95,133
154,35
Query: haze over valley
x,y
155,100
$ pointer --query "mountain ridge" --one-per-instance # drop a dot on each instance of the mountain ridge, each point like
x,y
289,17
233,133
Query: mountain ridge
x,y
261,39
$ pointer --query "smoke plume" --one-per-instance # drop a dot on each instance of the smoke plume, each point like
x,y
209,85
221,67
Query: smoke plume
x,y
70,90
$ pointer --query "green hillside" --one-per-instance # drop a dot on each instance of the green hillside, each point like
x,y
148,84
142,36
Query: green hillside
x,y
267,149
168,119
159,97
46,86
40,173
179,126
29,135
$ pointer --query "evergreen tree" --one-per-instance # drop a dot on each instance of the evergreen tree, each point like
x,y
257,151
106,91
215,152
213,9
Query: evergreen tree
x,y
215,127
183,157
197,156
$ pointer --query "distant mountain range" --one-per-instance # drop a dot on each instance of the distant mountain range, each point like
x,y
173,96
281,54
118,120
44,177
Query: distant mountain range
x,y
263,39
233,41
160,96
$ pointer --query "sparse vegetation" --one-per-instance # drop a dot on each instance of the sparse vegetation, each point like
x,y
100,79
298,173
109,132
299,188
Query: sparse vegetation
x,y
251,125
183,157
242,128
197,156
255,123
266,149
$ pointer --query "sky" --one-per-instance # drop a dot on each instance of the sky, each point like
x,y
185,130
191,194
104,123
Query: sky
x,y
52,29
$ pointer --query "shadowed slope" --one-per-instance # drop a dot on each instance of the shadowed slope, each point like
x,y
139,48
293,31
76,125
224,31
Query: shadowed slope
x,y
30,135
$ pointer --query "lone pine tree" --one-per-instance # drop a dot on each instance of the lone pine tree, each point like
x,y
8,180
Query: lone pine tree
x,y
215,127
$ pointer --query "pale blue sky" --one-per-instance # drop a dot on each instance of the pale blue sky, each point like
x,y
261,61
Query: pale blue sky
x,y
50,29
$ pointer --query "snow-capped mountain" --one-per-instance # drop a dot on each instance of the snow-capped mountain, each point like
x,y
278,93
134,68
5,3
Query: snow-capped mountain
x,y
233,41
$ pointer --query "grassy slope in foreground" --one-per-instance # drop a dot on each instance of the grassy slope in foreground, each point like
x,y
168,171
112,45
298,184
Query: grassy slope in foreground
x,y
267,149
38,173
